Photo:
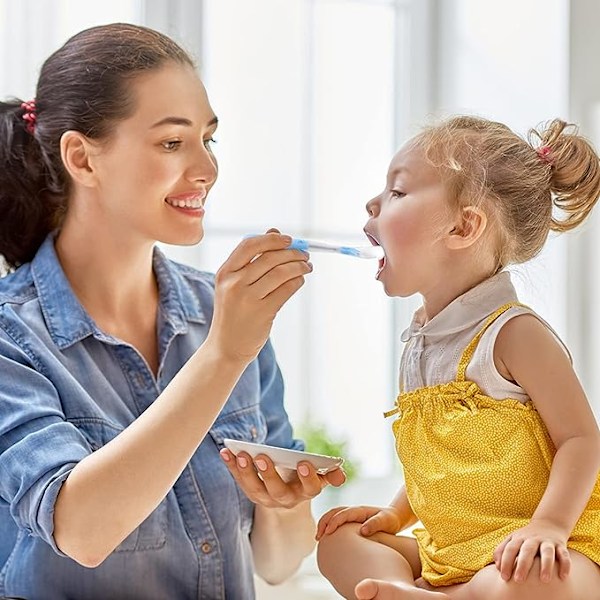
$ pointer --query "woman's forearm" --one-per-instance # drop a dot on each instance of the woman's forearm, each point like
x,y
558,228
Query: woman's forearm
x,y
281,538
110,492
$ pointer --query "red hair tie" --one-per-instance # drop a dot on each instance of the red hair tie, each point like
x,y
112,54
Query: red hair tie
x,y
544,154
29,115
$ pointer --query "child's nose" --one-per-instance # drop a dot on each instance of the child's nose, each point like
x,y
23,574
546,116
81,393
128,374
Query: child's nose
x,y
373,207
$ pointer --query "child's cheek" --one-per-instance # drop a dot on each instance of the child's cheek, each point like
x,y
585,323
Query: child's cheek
x,y
404,231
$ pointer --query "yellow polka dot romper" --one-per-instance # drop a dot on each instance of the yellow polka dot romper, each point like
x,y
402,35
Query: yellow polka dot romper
x,y
475,469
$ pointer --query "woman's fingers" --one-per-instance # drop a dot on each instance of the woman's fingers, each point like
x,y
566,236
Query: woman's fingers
x,y
281,282
302,485
264,264
263,484
336,477
249,248
243,471
250,288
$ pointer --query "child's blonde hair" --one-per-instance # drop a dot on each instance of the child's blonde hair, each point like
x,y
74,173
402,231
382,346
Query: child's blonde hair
x,y
520,182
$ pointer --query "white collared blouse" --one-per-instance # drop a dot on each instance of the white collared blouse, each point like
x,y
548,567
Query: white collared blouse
x,y
433,350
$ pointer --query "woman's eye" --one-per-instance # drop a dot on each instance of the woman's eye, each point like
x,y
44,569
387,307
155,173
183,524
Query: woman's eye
x,y
171,145
398,194
209,142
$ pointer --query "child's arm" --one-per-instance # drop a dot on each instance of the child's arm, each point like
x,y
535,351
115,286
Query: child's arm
x,y
389,519
528,353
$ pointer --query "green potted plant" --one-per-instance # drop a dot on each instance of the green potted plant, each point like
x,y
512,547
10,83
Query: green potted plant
x,y
320,440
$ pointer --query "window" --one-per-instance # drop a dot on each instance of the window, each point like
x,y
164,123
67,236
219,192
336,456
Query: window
x,y
305,92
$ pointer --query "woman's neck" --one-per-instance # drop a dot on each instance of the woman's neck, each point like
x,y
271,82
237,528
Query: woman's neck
x,y
112,277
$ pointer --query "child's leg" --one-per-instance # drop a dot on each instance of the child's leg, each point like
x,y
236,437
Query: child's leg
x,y
392,563
583,583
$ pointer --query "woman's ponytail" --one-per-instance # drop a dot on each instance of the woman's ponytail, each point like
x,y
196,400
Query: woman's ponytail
x,y
27,211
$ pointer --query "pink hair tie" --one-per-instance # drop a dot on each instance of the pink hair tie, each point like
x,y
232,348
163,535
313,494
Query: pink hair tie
x,y
29,115
544,154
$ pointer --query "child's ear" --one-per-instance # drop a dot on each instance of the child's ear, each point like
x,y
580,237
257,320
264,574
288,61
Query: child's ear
x,y
469,225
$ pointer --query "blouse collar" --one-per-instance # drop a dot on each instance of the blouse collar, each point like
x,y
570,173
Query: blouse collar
x,y
467,310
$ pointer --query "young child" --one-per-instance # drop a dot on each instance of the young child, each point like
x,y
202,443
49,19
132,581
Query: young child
x,y
499,446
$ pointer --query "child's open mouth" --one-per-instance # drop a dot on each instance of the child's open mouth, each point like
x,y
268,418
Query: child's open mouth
x,y
375,242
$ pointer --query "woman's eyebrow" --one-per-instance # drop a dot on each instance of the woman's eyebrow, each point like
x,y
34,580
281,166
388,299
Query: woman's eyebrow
x,y
181,121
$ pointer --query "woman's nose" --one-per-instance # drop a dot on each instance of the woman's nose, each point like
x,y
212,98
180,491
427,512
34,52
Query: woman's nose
x,y
373,207
203,167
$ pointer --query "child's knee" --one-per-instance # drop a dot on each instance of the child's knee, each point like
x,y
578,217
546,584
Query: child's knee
x,y
489,585
331,546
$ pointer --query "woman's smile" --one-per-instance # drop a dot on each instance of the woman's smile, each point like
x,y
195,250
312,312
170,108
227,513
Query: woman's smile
x,y
190,203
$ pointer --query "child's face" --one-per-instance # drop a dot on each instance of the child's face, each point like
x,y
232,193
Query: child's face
x,y
410,219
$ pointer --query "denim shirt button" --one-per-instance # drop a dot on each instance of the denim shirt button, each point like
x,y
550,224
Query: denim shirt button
x,y
206,547
253,432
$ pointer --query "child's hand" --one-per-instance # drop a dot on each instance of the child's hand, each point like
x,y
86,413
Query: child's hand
x,y
540,538
375,518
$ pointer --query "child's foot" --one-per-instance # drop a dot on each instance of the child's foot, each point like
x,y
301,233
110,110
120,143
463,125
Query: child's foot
x,y
376,589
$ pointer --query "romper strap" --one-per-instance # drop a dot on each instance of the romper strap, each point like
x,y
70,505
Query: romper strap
x,y
470,349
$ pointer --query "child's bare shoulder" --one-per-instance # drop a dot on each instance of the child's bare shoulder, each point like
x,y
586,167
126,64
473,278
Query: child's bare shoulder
x,y
525,339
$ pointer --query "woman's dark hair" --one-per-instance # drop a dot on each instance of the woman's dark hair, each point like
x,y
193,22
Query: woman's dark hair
x,y
83,86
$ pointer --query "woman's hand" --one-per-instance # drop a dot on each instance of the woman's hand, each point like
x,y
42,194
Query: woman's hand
x,y
263,485
375,519
255,281
540,538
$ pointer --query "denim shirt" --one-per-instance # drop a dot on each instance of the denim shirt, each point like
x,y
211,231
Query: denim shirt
x,y
66,389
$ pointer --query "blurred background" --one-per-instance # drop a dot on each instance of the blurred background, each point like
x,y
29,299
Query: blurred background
x,y
313,98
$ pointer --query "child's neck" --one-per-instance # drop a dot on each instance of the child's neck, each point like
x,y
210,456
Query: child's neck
x,y
453,285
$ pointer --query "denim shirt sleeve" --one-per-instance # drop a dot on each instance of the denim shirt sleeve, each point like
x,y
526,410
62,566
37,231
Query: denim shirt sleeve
x,y
38,447
279,429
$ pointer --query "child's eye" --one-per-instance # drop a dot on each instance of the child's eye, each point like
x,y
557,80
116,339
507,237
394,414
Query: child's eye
x,y
209,142
171,145
398,194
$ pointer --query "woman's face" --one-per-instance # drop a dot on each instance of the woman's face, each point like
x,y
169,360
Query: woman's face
x,y
155,171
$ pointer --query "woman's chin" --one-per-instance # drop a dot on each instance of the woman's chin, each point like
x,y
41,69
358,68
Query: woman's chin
x,y
191,239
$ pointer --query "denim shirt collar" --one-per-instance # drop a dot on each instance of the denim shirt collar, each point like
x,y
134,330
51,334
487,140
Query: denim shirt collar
x,y
69,323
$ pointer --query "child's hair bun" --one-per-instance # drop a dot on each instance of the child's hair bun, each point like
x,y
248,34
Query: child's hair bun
x,y
574,171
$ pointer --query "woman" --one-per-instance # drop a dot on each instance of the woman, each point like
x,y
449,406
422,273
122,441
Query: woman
x,y
122,372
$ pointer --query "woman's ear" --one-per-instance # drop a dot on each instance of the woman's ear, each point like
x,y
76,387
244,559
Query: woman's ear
x,y
76,151
469,226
